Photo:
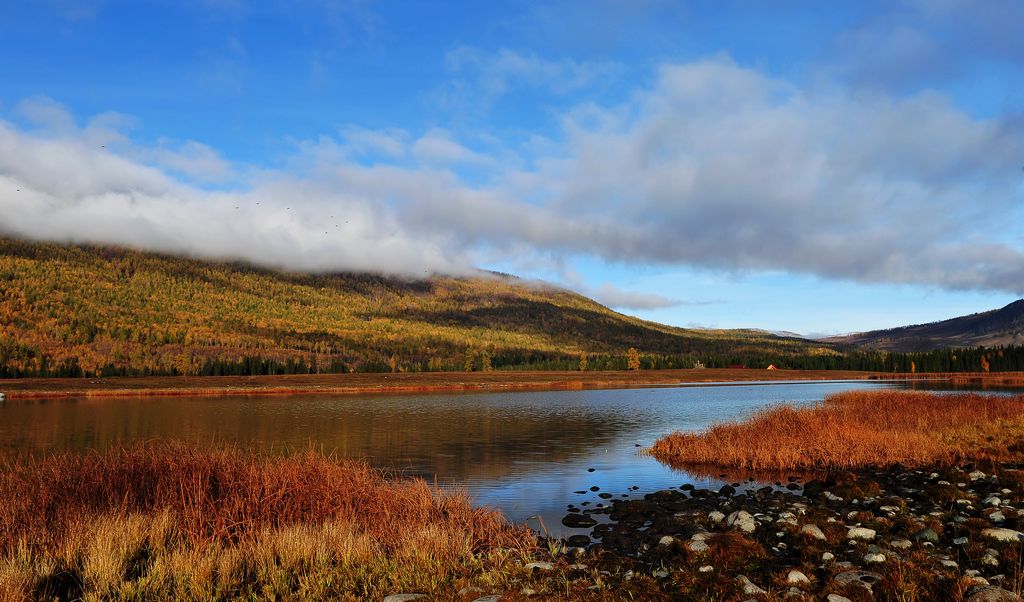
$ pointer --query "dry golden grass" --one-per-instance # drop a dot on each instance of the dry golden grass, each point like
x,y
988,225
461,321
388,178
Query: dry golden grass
x,y
858,429
165,521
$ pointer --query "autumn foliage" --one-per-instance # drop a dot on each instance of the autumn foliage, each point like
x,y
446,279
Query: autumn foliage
x,y
88,310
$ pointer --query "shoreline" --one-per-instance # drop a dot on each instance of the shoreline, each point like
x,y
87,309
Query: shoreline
x,y
931,532
404,383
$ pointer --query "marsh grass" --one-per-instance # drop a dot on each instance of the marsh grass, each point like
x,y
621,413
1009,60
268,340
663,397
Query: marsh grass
x,y
166,521
859,429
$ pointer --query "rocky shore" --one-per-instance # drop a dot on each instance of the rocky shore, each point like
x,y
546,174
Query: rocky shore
x,y
894,534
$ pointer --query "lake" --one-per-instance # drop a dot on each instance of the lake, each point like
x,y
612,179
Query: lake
x,y
523,452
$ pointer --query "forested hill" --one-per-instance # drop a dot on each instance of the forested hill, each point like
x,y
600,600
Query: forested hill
x,y
73,310
998,327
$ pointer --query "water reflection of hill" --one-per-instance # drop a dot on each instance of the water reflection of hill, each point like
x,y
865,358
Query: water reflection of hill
x,y
453,438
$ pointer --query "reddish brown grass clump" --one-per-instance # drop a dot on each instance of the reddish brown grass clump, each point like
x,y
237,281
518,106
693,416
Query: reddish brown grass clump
x,y
167,520
858,429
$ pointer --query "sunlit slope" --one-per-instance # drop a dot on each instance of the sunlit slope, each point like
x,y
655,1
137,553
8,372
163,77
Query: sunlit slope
x,y
89,309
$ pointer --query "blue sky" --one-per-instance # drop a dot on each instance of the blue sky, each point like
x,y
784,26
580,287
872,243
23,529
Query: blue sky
x,y
803,166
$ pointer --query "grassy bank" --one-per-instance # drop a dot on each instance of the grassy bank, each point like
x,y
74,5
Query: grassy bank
x,y
164,521
859,429
409,382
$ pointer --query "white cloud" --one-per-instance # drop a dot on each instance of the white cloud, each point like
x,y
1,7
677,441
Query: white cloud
x,y
481,78
190,158
362,141
615,297
437,146
714,165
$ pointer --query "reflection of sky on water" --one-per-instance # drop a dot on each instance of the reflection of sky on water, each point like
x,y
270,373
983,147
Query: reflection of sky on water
x,y
525,452
545,489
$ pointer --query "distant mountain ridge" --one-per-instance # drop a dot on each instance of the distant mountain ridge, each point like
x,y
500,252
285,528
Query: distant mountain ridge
x,y
1004,326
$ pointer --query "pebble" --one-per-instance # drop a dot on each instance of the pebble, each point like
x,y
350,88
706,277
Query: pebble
x,y
707,568
990,593
992,501
959,541
901,544
543,566
716,516
837,598
578,521
862,533
813,531
742,520
403,597
874,557
748,587
697,546
999,534
666,540
864,579
828,557
928,534
797,578
491,598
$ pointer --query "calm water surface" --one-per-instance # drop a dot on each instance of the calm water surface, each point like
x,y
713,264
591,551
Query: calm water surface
x,y
525,453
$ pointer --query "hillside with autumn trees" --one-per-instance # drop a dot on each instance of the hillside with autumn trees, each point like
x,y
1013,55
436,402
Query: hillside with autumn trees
x,y
72,310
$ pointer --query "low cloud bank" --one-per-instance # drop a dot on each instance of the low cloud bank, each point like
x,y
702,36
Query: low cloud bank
x,y
714,165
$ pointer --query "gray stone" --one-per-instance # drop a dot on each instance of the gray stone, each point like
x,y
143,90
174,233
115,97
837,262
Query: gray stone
x,y
928,534
404,597
697,546
999,534
749,588
812,531
874,557
666,540
797,578
491,598
742,520
862,533
837,598
991,593
543,566
716,516
707,568
901,544
864,579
